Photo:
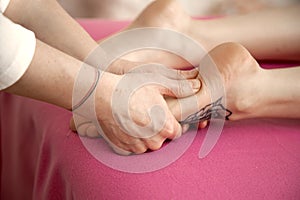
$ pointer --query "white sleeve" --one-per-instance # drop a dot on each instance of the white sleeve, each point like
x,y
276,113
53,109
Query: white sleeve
x,y
17,47
3,5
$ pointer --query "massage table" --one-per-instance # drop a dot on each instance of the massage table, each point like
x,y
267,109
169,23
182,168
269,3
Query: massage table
x,y
41,158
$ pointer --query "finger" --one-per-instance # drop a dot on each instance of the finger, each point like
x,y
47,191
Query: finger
x,y
139,148
119,147
184,107
84,127
172,129
125,149
87,129
185,128
188,74
180,88
121,151
178,129
174,107
121,66
179,74
116,144
165,71
155,142
202,124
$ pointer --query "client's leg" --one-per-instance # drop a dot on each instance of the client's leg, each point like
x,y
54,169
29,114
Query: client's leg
x,y
250,91
167,14
267,34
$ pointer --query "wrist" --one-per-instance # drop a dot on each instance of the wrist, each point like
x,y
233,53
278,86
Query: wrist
x,y
104,93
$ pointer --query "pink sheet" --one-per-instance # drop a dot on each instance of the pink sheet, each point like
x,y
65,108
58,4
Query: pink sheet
x,y
42,159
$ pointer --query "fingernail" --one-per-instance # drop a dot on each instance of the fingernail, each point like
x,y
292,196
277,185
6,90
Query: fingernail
x,y
195,84
195,71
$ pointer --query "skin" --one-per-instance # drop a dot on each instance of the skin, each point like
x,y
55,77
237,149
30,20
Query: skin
x,y
55,65
277,91
267,34
210,33
52,25
52,74
250,31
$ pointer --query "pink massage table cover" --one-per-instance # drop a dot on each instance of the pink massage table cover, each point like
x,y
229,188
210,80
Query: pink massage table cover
x,y
42,159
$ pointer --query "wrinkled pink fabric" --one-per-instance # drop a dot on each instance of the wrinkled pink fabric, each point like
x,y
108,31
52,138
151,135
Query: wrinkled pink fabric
x,y
42,159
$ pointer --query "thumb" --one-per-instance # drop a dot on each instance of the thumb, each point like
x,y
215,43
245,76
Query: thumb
x,y
180,88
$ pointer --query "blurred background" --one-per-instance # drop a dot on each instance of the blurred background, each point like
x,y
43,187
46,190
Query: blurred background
x,y
129,9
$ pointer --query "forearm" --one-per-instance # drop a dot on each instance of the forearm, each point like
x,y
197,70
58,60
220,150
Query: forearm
x,y
267,34
280,94
52,25
50,77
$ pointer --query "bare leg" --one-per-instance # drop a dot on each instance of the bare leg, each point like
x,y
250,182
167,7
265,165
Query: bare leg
x,y
250,91
267,34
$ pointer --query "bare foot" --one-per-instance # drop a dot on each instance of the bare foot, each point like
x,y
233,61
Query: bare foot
x,y
167,14
241,77
163,14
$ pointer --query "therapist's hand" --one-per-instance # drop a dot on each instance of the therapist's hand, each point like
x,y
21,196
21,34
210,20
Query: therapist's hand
x,y
132,111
